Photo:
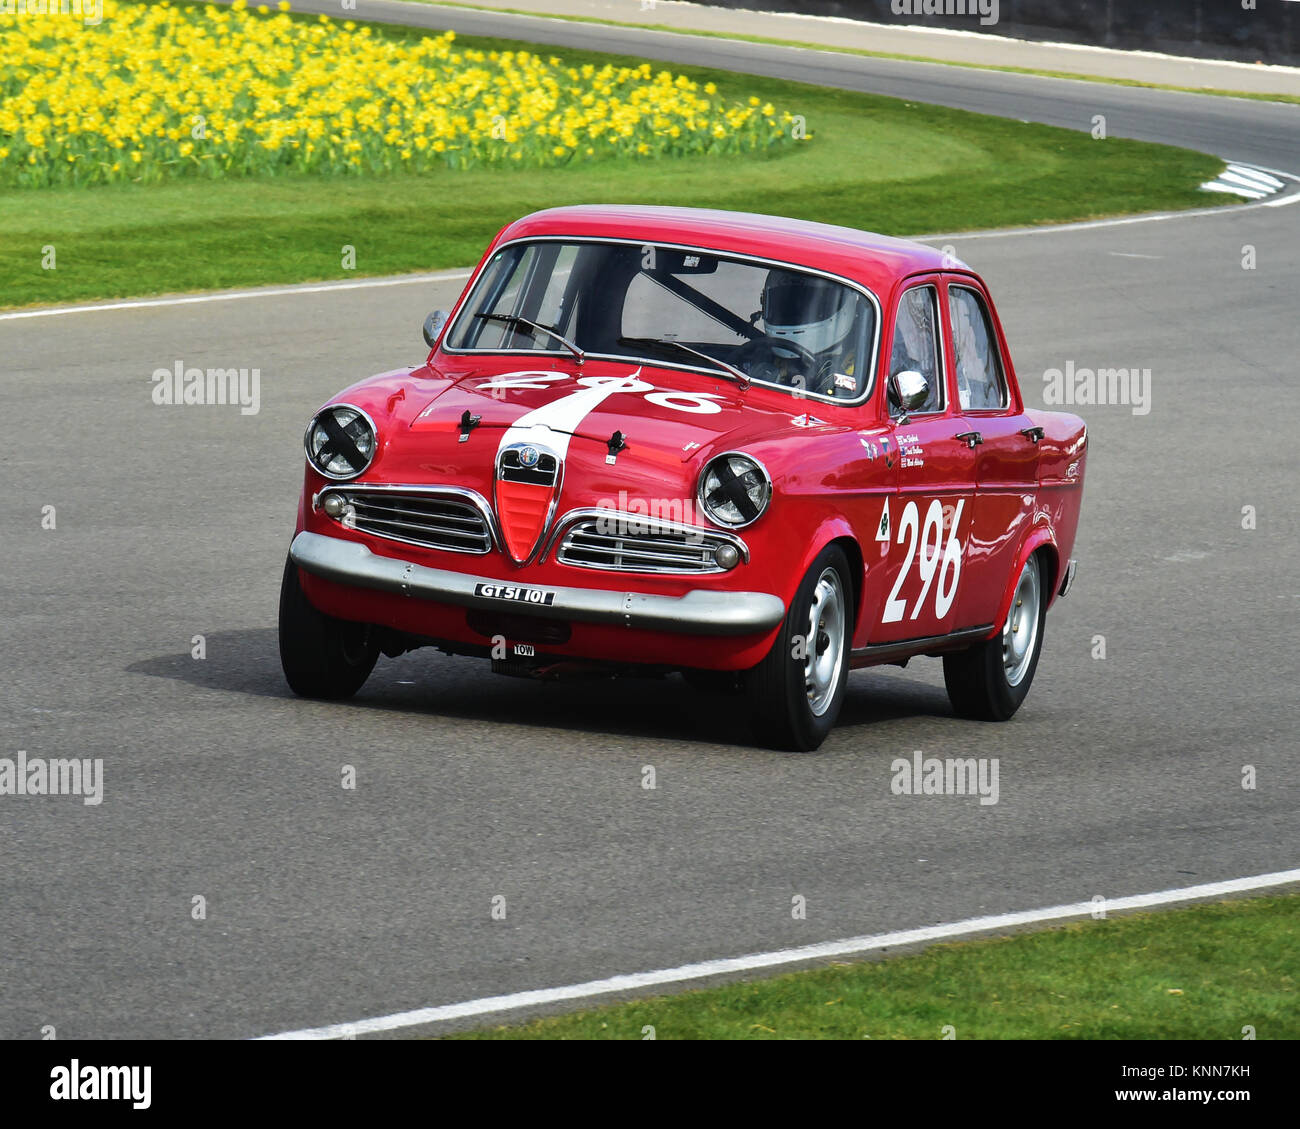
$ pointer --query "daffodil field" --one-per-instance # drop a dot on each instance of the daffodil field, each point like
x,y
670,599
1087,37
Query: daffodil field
x,y
162,91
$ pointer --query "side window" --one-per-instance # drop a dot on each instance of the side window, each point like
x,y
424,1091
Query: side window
x,y
916,342
980,383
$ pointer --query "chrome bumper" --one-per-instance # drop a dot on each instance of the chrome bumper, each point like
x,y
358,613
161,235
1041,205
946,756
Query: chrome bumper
x,y
1068,582
697,613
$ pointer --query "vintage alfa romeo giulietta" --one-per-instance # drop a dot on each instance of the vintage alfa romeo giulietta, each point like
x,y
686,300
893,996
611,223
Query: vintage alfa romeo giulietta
x,y
758,451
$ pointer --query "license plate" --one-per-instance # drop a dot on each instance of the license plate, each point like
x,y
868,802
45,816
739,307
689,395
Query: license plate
x,y
515,593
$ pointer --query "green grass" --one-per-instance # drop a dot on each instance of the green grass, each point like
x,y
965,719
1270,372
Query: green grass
x,y
777,42
874,163
1204,972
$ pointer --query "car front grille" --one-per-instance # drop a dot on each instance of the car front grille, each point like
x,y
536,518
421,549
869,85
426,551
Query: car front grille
x,y
637,544
436,520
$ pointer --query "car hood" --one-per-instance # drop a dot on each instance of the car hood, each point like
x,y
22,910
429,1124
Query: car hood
x,y
666,417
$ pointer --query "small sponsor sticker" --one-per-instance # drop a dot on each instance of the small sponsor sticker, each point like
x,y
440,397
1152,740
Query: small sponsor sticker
x,y
515,593
843,380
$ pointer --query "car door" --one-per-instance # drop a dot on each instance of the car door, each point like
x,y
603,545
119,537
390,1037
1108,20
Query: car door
x,y
1005,448
923,525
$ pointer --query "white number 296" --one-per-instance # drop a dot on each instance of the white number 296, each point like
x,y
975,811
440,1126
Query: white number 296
x,y
948,570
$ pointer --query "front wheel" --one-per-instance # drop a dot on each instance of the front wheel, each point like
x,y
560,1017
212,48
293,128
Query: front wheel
x,y
990,680
796,692
322,657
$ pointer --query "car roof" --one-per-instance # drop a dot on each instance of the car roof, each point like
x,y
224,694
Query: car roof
x,y
875,261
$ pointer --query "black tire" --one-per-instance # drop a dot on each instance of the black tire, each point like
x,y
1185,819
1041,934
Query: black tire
x,y
725,682
322,657
980,685
784,711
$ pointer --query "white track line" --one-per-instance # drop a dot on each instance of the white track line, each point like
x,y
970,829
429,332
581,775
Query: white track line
x,y
1245,180
826,950
1257,176
236,295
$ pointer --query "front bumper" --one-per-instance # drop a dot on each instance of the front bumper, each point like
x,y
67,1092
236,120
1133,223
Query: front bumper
x,y
700,612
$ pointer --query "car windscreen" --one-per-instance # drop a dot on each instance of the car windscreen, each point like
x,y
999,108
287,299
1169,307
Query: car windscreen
x,y
781,326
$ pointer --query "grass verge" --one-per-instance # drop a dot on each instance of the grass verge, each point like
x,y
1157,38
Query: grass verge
x,y
875,163
1203,972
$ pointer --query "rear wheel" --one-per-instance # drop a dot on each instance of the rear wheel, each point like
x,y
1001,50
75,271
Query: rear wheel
x,y
322,657
990,680
796,692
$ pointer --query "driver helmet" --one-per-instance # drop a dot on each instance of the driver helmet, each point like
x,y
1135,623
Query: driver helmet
x,y
813,312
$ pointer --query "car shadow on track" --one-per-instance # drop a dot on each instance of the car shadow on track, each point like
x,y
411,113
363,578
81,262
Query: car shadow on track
x,y
427,682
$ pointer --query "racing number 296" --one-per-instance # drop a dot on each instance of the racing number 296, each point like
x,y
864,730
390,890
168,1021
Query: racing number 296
x,y
911,529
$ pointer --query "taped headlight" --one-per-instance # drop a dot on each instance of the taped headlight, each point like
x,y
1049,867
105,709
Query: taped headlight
x,y
340,441
734,490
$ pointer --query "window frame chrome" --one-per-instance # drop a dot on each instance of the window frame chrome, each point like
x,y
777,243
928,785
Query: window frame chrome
x,y
941,354
990,328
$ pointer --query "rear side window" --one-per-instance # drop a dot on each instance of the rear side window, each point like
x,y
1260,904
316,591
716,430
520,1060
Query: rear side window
x,y
980,382
916,342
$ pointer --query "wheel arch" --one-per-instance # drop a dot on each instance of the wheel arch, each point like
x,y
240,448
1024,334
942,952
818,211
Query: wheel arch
x,y
1039,540
837,531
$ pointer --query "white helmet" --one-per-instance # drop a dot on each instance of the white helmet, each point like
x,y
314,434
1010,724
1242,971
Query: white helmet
x,y
813,312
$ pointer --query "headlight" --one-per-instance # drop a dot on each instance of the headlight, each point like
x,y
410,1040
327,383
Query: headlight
x,y
340,441
734,490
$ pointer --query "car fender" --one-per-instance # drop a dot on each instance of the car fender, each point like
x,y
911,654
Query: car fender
x,y
1040,534
832,528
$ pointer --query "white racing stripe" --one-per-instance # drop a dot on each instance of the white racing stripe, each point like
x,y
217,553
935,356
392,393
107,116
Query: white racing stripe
x,y
853,946
553,424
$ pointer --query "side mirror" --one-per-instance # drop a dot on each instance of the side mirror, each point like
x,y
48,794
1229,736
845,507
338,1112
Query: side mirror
x,y
909,390
433,326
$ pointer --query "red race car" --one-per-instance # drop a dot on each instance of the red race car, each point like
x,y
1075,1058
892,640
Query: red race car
x,y
757,451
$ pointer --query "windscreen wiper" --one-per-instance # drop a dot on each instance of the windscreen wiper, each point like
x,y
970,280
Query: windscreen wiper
x,y
515,319
741,377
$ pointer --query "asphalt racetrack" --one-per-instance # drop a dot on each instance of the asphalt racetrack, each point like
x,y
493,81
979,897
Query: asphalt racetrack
x,y
1120,775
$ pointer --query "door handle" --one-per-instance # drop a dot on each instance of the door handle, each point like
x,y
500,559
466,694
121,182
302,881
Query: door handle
x,y
972,438
1033,433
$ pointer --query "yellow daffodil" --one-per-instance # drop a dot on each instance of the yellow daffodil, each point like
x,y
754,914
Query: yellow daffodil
x,y
240,91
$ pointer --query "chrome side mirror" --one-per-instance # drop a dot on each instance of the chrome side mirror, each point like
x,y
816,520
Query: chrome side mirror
x,y
433,326
909,390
